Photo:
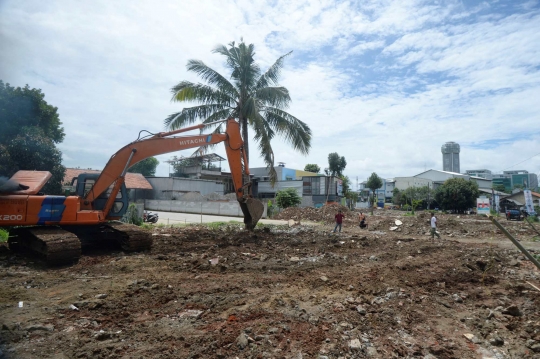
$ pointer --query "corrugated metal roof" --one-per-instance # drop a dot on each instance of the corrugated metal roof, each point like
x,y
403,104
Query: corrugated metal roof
x,y
133,180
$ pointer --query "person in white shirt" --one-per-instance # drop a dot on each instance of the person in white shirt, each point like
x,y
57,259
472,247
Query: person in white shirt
x,y
434,227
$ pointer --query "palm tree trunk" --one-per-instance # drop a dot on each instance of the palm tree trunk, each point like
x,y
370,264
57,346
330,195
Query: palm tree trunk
x,y
244,126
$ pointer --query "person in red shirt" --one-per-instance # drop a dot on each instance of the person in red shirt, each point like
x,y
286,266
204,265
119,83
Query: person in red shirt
x,y
339,221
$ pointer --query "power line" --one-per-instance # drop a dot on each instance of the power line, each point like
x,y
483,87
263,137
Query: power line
x,y
522,161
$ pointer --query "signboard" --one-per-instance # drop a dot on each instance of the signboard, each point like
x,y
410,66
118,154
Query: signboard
x,y
482,206
340,187
496,199
528,201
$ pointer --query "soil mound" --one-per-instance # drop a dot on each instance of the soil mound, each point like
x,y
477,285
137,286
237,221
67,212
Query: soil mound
x,y
324,214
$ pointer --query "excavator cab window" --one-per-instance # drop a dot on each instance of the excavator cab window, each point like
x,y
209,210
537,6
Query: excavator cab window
x,y
85,182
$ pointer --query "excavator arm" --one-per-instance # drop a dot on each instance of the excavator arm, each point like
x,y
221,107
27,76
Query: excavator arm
x,y
116,168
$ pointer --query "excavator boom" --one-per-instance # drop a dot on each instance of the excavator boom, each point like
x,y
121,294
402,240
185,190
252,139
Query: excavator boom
x,y
161,143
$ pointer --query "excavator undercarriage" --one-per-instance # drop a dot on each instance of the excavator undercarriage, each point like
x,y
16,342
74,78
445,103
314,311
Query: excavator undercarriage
x,y
57,245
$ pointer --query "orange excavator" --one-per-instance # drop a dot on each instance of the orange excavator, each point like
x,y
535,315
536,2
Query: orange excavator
x,y
55,226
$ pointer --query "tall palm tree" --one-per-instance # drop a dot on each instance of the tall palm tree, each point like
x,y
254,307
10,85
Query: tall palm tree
x,y
252,97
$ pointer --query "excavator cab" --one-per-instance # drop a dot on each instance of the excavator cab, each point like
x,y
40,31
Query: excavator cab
x,y
84,183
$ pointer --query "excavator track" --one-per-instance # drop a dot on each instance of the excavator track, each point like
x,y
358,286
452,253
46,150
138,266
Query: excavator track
x,y
114,235
54,245
131,238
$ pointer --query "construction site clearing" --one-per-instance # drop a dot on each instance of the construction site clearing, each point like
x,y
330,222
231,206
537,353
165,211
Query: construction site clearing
x,y
299,291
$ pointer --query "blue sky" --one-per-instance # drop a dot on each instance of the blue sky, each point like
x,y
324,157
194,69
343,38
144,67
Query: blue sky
x,y
383,83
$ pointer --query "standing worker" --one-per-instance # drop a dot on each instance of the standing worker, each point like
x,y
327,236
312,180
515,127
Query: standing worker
x,y
434,226
339,220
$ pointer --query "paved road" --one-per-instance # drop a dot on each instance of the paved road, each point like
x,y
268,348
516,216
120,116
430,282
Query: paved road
x,y
177,218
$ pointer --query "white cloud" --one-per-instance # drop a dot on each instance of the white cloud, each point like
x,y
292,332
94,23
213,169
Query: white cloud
x,y
384,83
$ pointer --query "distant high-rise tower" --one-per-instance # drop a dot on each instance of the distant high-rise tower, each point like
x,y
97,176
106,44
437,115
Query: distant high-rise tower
x,y
450,157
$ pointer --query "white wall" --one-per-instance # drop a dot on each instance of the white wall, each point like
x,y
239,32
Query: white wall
x,y
440,176
215,208
164,188
402,183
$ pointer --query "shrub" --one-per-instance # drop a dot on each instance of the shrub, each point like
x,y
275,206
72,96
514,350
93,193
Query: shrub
x,y
3,235
288,198
132,215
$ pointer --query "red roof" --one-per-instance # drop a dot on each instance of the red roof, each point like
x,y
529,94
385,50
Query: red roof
x,y
133,180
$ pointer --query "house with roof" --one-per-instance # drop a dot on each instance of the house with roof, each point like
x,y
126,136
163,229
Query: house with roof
x,y
517,200
138,185
438,177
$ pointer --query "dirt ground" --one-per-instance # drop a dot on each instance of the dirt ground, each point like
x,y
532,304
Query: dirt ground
x,y
284,292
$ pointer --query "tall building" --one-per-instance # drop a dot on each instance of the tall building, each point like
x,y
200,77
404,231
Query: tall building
x,y
518,178
450,156
480,173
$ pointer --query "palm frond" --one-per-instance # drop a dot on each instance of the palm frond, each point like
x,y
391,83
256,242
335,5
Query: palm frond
x,y
212,77
250,108
274,96
191,114
294,131
263,136
244,69
186,91
271,76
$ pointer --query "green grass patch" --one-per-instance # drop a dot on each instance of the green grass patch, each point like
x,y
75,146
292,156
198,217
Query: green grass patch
x,y
409,214
3,235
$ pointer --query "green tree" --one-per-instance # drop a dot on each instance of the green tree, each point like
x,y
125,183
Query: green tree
x,y
31,150
288,197
457,194
311,167
24,107
255,98
336,165
518,186
396,196
30,130
499,187
352,196
374,182
146,167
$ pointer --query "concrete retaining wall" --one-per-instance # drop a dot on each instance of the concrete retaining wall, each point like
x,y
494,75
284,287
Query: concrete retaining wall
x,y
170,188
212,208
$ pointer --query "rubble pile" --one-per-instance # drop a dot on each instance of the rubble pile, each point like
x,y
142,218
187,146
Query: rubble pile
x,y
325,214
280,292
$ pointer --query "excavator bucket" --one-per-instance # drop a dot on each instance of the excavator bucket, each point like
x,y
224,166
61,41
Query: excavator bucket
x,y
253,210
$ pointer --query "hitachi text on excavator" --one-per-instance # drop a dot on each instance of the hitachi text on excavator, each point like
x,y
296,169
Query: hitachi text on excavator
x,y
55,226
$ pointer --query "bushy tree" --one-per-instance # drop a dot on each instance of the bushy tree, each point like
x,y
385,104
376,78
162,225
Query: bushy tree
x,y
336,165
457,194
146,167
288,197
311,167
374,182
348,193
255,98
23,107
499,187
396,196
33,151
29,131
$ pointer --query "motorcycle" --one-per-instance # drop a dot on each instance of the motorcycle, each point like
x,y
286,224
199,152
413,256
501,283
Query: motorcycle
x,y
150,217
